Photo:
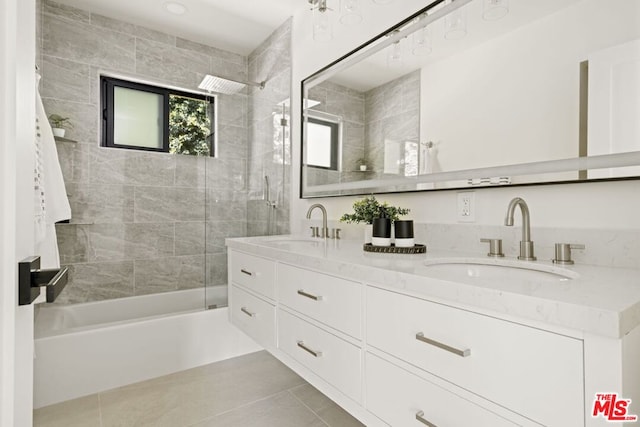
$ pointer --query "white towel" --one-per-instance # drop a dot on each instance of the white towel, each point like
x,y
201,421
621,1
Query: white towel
x,y
52,204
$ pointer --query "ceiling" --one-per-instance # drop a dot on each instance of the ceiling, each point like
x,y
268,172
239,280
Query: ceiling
x,y
235,25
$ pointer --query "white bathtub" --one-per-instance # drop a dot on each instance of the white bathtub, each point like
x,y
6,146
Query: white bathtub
x,y
87,348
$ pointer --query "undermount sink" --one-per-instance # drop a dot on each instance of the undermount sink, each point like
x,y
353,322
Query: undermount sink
x,y
451,269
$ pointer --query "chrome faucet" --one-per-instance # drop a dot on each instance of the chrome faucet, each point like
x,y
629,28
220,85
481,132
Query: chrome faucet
x,y
325,231
526,245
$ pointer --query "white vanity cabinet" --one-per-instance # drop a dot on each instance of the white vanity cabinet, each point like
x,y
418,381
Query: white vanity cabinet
x,y
534,373
330,300
401,398
335,360
381,345
255,316
254,273
314,319
320,325
251,296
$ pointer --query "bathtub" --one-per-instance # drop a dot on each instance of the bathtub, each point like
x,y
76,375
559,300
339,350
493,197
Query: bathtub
x,y
87,348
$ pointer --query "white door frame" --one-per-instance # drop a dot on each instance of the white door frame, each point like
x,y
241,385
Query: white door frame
x,y
17,136
7,213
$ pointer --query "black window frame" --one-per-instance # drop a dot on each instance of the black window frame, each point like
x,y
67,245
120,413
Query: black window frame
x,y
335,142
107,88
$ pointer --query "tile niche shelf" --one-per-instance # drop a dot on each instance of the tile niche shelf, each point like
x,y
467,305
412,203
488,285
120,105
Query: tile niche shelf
x,y
61,139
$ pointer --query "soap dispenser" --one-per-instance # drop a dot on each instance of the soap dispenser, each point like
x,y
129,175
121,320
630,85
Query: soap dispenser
x,y
381,230
404,233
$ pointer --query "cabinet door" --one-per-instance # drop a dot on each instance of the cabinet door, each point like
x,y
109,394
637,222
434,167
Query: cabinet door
x,y
403,399
532,372
331,300
252,272
253,316
333,359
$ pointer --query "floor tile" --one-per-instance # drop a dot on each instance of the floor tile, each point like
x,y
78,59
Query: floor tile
x,y
323,407
82,412
191,396
255,390
281,410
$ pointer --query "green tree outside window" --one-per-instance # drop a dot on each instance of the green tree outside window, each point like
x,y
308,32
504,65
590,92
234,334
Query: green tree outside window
x,y
189,126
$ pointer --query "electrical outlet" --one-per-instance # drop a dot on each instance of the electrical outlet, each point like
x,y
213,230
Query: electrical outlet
x,y
466,206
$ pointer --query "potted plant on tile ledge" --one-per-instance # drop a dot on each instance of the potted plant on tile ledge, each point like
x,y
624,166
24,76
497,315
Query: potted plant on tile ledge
x,y
367,209
59,125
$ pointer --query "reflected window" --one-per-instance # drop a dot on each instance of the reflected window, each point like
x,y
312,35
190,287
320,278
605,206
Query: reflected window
x,y
144,117
323,143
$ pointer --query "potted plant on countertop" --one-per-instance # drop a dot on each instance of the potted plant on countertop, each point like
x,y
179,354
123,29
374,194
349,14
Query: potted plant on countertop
x,y
362,164
367,209
59,125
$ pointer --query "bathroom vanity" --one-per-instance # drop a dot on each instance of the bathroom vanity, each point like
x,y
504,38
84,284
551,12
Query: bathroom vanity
x,y
443,339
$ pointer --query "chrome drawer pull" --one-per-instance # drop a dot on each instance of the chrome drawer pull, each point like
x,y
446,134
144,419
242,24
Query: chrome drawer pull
x,y
463,353
420,417
248,273
308,295
308,350
247,312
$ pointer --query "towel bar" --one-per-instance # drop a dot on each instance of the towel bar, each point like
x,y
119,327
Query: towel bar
x,y
31,277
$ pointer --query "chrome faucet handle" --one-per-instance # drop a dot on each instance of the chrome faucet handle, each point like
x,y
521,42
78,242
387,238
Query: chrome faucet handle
x,y
314,231
335,233
563,253
495,247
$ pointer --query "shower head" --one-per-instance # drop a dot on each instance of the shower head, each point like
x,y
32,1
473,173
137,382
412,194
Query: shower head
x,y
225,86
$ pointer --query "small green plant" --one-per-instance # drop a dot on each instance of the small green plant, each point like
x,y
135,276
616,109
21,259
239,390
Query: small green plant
x,y
361,161
368,208
60,122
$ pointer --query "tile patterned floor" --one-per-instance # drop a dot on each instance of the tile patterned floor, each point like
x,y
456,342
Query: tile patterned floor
x,y
254,390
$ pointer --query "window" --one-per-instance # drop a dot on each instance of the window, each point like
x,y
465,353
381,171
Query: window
x,y
144,117
323,143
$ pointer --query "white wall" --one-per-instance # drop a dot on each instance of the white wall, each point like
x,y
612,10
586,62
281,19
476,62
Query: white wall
x,y
590,205
527,79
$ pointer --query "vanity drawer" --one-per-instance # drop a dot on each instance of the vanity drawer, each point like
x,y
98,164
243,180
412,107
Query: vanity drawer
x,y
398,397
333,301
257,274
333,359
485,355
253,316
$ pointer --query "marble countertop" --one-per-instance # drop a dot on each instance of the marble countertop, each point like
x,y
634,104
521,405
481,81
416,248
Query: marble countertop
x,y
588,299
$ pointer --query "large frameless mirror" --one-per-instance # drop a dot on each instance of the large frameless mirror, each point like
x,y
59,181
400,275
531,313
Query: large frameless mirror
x,y
476,93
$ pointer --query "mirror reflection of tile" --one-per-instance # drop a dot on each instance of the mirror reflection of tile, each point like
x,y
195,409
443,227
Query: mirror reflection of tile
x,y
504,95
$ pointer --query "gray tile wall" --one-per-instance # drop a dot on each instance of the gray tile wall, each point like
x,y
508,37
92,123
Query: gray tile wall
x,y
349,105
269,143
390,111
393,112
142,222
